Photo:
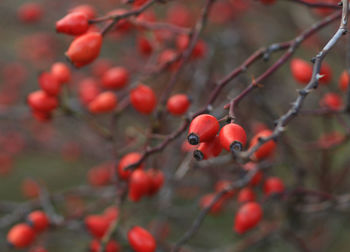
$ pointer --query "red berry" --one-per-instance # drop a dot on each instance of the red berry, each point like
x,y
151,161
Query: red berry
x,y
138,3
332,101
111,246
208,149
257,176
247,217
139,185
21,236
157,180
88,90
143,99
141,240
61,72
207,199
232,137
38,220
246,194
144,46
127,160
111,213
344,81
100,66
203,128
168,56
301,70
87,9
273,185
267,149
104,102
41,101
49,84
85,49
100,175
115,78
75,23
178,104
223,185
30,188
30,12
182,42
97,225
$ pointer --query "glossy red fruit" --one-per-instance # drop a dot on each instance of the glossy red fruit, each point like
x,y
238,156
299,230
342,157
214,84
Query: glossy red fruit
x,y
344,81
167,57
30,12
141,240
88,90
247,217
30,188
111,213
267,149
208,149
207,199
100,175
199,50
61,72
178,104
273,185
97,225
186,147
87,9
203,128
143,99
75,23
111,246
38,220
144,46
21,236
301,70
104,102
41,101
245,195
224,185
127,160
157,180
139,185
332,101
115,78
49,84
232,137
84,49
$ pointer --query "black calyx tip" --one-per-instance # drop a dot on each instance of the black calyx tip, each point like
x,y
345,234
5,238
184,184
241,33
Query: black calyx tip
x,y
193,139
236,146
198,155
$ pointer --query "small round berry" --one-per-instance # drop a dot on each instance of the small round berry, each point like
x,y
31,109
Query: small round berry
x,y
203,128
21,236
143,99
141,240
273,185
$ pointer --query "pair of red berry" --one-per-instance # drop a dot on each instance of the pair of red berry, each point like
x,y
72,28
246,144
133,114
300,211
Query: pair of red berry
x,y
232,137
